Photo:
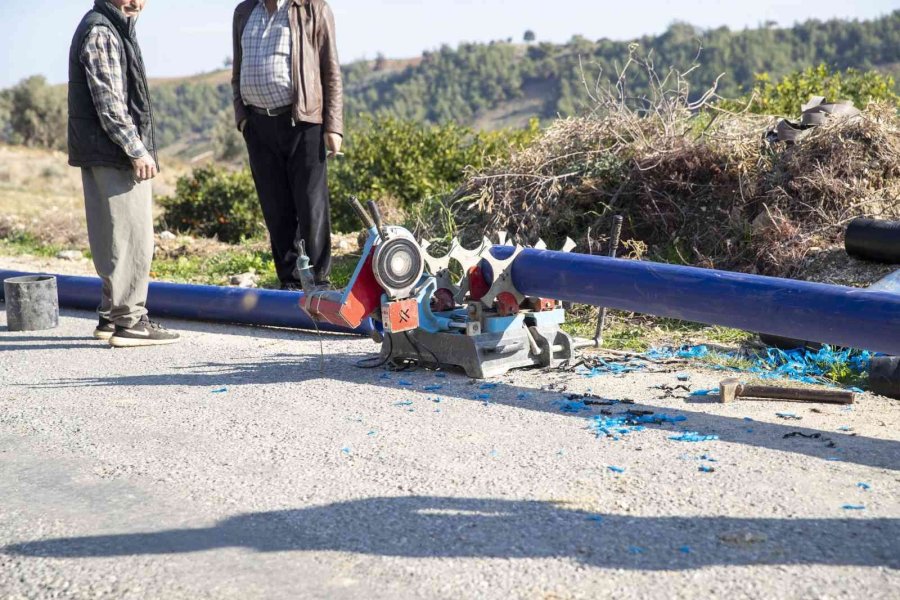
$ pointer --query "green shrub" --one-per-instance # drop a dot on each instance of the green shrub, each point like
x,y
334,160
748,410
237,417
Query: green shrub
x,y
215,202
405,162
785,97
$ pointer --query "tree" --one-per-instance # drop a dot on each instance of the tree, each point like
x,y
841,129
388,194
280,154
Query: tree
x,y
529,36
37,113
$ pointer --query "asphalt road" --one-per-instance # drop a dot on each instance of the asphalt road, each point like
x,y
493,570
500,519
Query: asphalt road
x,y
241,464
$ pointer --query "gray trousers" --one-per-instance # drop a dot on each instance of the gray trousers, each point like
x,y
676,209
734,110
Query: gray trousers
x,y
120,231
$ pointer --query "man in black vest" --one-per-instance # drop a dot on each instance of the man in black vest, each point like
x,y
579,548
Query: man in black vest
x,y
111,139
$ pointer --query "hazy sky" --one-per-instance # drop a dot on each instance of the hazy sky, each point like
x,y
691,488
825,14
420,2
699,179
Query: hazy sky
x,y
183,37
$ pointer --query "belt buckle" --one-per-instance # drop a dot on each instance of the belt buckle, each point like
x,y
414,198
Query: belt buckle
x,y
269,112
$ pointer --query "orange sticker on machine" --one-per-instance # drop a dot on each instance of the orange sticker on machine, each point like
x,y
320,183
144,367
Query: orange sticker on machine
x,y
400,316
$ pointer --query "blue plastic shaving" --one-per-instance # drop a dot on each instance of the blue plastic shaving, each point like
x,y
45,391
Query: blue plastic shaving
x,y
482,396
748,419
799,365
854,507
595,518
523,396
385,376
693,436
346,450
749,430
373,432
864,486
705,392
683,377
844,428
434,388
707,457
488,386
616,469
440,374
404,383
635,550
437,410
625,423
403,403
493,453
437,400
788,415
705,469
220,390
833,458
685,549
572,406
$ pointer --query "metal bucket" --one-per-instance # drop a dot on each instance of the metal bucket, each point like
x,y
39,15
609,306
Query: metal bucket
x,y
32,303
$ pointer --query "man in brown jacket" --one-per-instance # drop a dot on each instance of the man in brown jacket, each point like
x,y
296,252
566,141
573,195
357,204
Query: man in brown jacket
x,y
288,103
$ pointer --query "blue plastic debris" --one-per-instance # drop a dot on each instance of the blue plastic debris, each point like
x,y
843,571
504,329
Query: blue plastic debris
x,y
705,392
708,458
373,432
788,415
705,469
405,383
572,406
685,549
403,403
488,386
635,550
833,458
346,450
854,507
220,390
595,518
385,376
493,453
434,388
440,374
523,396
616,469
437,400
482,396
683,377
693,436
864,486
844,428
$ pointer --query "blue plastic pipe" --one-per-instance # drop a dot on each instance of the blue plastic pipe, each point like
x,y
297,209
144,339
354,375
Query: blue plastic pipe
x,y
830,314
202,303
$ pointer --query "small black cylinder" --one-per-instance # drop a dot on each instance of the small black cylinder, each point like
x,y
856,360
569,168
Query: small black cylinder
x,y
871,239
884,376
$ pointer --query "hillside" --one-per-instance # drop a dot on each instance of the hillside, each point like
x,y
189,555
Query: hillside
x,y
502,84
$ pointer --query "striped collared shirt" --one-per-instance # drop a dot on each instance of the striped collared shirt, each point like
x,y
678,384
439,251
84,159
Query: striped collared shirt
x,y
102,60
266,58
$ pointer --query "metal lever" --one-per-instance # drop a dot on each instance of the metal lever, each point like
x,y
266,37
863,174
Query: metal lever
x,y
303,270
376,216
614,235
361,213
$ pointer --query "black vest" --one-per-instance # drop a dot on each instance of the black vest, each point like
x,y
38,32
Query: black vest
x,y
89,146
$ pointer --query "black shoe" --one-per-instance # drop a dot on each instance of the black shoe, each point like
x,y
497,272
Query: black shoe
x,y
144,333
105,329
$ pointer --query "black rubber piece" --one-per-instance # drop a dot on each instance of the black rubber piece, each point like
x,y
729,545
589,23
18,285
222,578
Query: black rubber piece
x,y
32,303
884,376
783,343
874,240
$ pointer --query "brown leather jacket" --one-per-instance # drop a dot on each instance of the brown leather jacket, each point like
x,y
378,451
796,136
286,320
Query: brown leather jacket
x,y
315,69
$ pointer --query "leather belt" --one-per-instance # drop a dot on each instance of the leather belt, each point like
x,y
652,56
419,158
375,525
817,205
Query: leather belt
x,y
270,112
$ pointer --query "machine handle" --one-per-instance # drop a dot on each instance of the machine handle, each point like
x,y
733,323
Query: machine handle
x,y
361,212
376,216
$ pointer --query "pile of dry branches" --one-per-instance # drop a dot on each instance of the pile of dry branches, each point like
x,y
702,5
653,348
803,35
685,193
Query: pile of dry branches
x,y
696,184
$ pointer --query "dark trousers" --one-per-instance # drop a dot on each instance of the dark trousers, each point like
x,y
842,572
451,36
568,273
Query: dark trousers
x,y
289,169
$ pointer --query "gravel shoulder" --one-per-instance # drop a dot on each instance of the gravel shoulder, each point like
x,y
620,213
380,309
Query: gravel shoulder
x,y
241,463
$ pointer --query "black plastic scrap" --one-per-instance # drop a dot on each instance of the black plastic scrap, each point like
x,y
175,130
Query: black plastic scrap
x,y
830,443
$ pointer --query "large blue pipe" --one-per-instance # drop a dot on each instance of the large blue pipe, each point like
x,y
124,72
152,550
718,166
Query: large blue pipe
x,y
201,303
830,314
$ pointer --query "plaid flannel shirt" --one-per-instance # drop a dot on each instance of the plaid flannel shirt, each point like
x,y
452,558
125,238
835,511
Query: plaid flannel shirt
x,y
102,59
266,62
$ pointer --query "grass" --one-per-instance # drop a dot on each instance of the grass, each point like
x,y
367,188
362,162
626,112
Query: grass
x,y
25,243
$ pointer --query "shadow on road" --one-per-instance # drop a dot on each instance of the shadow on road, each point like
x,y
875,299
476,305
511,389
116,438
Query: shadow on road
x,y
282,368
434,527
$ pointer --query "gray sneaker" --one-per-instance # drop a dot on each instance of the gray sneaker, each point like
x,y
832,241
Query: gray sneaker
x,y
144,333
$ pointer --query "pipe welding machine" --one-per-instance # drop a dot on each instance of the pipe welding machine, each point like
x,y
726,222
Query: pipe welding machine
x,y
479,322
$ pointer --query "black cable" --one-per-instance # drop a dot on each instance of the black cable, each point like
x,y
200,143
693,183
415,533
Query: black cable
x,y
362,364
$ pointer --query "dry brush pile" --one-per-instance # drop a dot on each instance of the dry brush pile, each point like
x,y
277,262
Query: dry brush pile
x,y
696,184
